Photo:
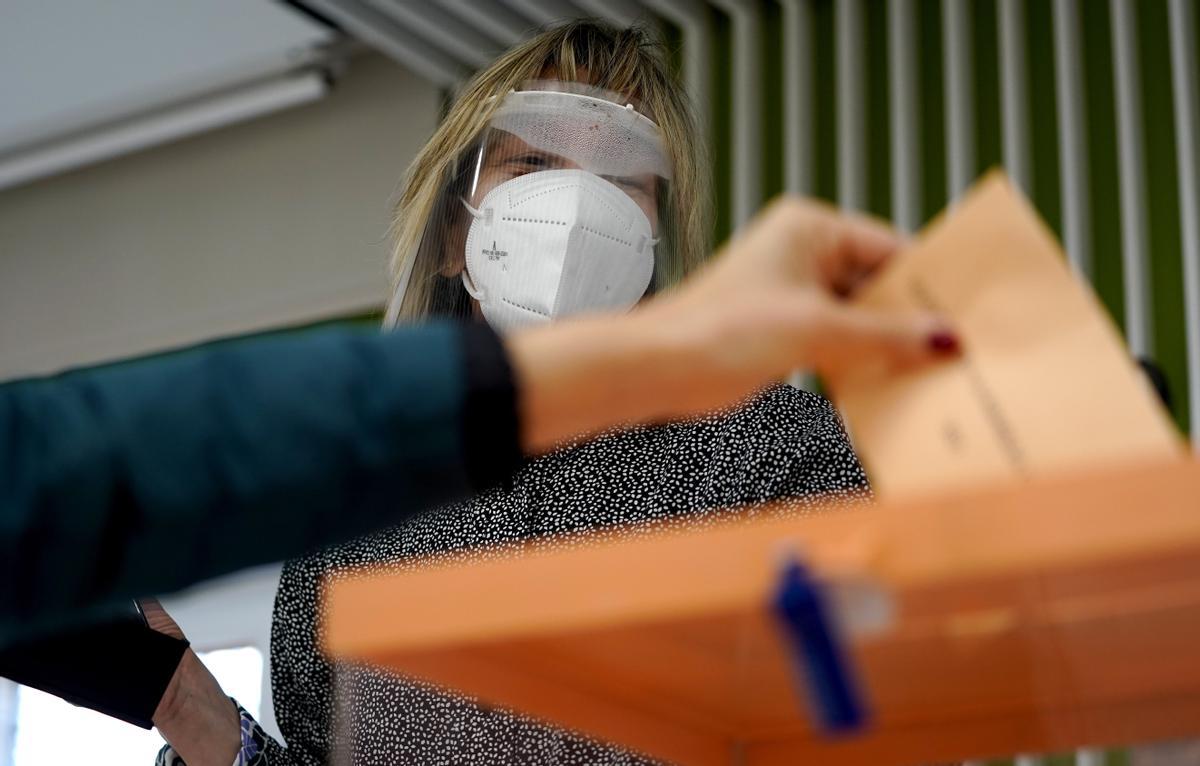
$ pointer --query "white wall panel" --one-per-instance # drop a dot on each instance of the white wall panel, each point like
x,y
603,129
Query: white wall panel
x,y
278,221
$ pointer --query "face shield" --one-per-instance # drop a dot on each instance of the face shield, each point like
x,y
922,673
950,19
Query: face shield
x,y
559,210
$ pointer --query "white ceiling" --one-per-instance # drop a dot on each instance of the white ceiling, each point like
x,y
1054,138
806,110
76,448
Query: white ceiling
x,y
66,65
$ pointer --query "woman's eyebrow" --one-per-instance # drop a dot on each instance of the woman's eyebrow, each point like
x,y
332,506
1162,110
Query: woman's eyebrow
x,y
527,151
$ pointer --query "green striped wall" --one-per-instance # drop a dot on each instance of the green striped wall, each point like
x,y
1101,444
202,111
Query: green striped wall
x,y
1160,163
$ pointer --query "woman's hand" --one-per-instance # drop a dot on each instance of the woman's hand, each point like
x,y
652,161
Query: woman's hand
x,y
194,716
774,300
777,298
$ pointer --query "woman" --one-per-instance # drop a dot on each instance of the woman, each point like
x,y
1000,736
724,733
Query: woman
x,y
575,142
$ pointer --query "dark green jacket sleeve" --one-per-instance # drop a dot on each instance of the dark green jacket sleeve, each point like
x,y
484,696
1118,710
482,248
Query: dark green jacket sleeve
x,y
145,477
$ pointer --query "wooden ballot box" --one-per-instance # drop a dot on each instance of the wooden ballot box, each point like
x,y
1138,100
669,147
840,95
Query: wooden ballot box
x,y
1028,617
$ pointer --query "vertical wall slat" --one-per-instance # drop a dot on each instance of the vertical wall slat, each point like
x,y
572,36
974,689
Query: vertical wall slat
x,y
1014,92
1072,135
1187,140
747,107
798,103
904,116
1131,169
958,73
851,105
797,96
691,17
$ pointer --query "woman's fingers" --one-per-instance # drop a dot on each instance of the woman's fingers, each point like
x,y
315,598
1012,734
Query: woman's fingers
x,y
840,252
842,337
776,300
869,242
860,249
843,254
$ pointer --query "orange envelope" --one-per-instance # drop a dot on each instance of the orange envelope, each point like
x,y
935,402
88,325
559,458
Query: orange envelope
x,y
1044,383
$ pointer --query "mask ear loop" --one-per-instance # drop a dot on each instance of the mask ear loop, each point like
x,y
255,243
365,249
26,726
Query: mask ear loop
x,y
469,285
467,281
476,212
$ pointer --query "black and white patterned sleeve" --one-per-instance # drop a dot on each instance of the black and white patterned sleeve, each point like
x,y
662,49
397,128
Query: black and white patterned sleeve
x,y
258,748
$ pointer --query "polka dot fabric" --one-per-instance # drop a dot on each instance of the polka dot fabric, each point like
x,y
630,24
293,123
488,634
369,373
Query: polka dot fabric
x,y
782,445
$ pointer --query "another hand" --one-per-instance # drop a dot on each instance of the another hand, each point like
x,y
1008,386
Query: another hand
x,y
194,715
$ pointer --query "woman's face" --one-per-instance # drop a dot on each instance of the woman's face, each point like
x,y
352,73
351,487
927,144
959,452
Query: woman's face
x,y
505,156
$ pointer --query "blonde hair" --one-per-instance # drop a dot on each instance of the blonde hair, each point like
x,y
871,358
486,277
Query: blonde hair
x,y
625,61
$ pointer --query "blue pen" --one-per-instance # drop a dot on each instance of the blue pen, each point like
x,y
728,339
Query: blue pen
x,y
821,661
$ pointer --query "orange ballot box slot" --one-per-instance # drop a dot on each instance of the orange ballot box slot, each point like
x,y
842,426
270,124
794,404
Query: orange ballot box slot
x,y
1044,383
1036,546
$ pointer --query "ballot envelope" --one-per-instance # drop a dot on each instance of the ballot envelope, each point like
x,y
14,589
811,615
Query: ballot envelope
x,y
1044,385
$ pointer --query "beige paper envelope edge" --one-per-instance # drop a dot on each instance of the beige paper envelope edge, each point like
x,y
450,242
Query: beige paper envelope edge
x,y
1044,384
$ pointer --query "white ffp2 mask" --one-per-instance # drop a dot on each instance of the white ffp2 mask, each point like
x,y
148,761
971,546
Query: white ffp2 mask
x,y
553,243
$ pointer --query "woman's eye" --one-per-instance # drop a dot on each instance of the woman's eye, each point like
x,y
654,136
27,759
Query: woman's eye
x,y
531,161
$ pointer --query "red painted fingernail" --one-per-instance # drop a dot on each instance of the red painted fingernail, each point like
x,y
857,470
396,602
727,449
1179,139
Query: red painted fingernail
x,y
944,342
